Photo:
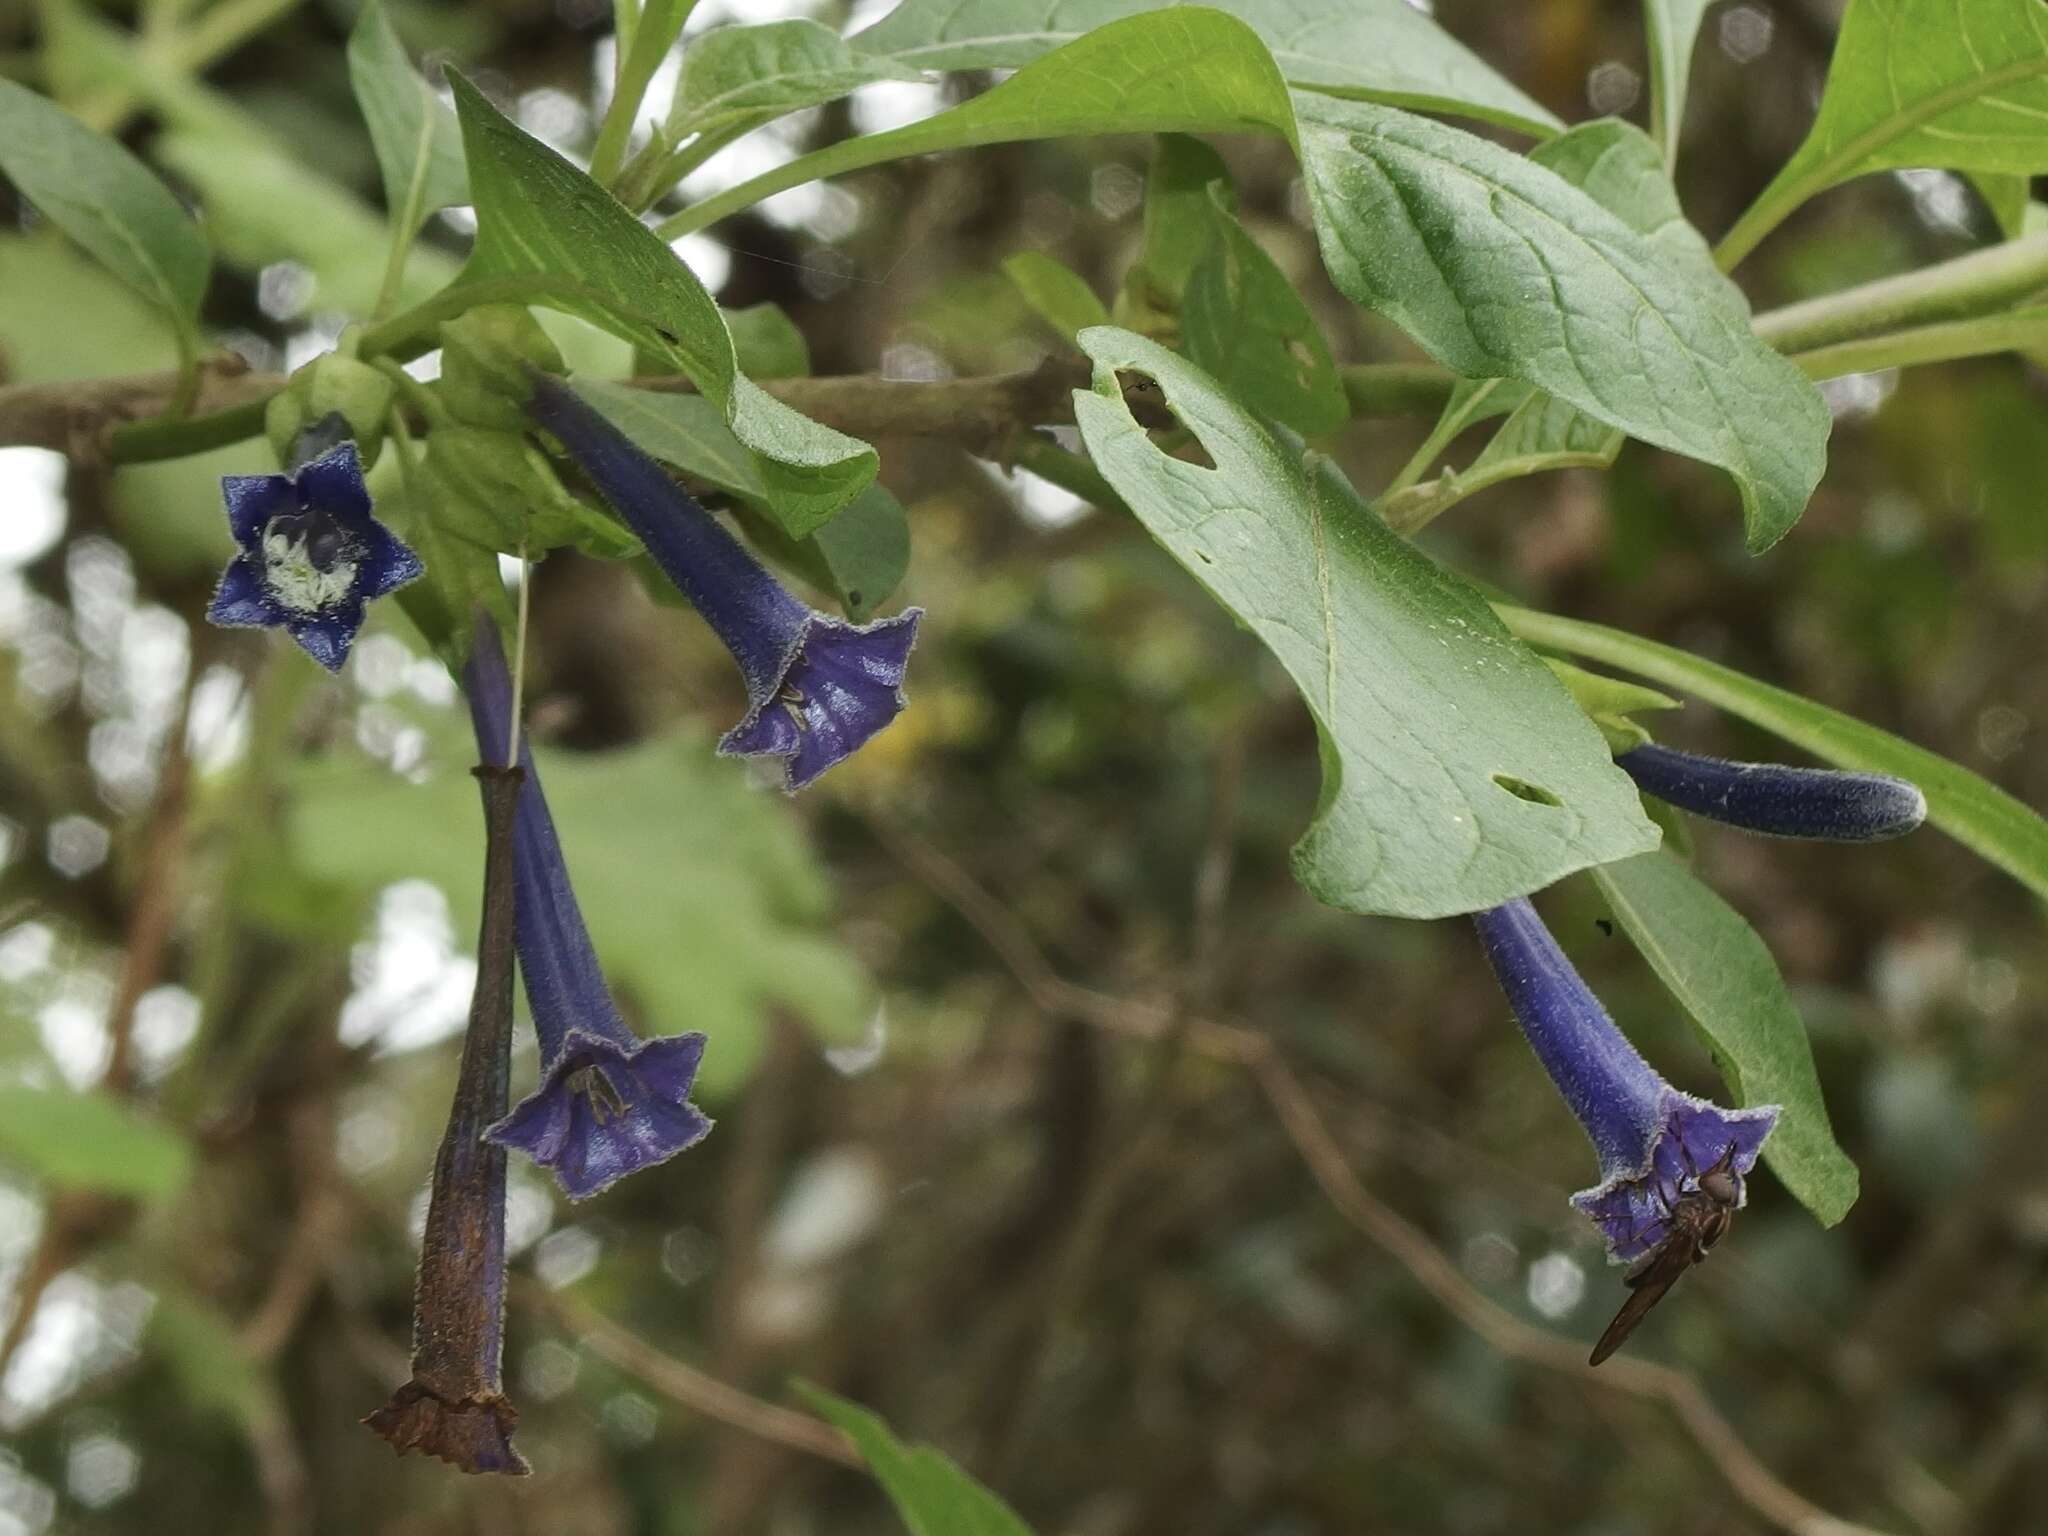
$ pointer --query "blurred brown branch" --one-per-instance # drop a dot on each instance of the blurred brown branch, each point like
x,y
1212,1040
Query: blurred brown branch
x,y
1751,1480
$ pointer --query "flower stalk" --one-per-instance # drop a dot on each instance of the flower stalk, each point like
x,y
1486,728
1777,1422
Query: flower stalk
x,y
1653,1142
454,1406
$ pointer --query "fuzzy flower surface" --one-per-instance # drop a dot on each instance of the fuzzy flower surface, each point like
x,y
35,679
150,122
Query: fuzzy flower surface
x,y
609,1103
311,555
817,687
1653,1141
1823,804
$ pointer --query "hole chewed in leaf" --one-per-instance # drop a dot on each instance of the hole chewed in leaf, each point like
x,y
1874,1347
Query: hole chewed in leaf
x,y
1535,794
1150,408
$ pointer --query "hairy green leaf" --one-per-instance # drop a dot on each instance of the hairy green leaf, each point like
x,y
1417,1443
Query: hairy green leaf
x,y
1243,323
1383,49
90,1141
106,200
538,214
1723,975
417,140
1186,69
1980,816
1057,294
1961,84
734,74
1457,772
1500,267
1673,27
934,1497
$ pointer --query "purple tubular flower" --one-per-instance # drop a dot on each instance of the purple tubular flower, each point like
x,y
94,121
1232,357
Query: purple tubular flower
x,y
1653,1141
1819,803
454,1405
311,555
609,1103
817,687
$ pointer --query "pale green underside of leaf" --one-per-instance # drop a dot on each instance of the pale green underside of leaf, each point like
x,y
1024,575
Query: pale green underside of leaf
x,y
536,213
90,1141
1723,975
1982,817
1383,49
1425,705
106,200
934,1497
1497,266
416,137
1961,84
1673,26
732,74
701,896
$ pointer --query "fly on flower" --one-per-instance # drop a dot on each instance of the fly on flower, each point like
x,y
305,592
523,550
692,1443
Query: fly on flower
x,y
1673,1168
311,555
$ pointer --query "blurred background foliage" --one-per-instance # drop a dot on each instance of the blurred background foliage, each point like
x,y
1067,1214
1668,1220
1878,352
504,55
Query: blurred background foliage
x,y
1093,1269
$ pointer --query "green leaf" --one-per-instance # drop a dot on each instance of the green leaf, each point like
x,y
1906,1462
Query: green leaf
x,y
537,214
1609,702
1457,772
866,551
1976,814
687,431
1952,83
1243,323
767,343
2005,197
732,75
1180,215
1500,267
934,1497
1723,975
417,140
1673,27
705,903
106,200
1056,293
1383,49
90,1141
654,33
1186,69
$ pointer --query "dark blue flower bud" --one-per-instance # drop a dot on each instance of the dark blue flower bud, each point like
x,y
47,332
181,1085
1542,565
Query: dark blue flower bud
x,y
817,687
1653,1141
311,554
609,1103
1820,803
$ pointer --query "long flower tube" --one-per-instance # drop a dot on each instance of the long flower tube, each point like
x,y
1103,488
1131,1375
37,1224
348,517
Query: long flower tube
x,y
1825,804
1653,1141
609,1103
817,687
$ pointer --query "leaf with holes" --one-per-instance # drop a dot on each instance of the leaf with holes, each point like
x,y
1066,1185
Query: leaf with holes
x,y
1499,266
1388,50
1724,977
537,214
1457,772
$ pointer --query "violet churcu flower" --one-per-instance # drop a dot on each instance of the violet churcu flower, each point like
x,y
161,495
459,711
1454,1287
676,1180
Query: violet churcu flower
x,y
311,554
1653,1141
1819,803
609,1103
817,687
454,1405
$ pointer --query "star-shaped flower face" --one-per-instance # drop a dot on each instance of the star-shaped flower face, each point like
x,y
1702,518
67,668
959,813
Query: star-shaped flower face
x,y
311,555
842,684
1633,1212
